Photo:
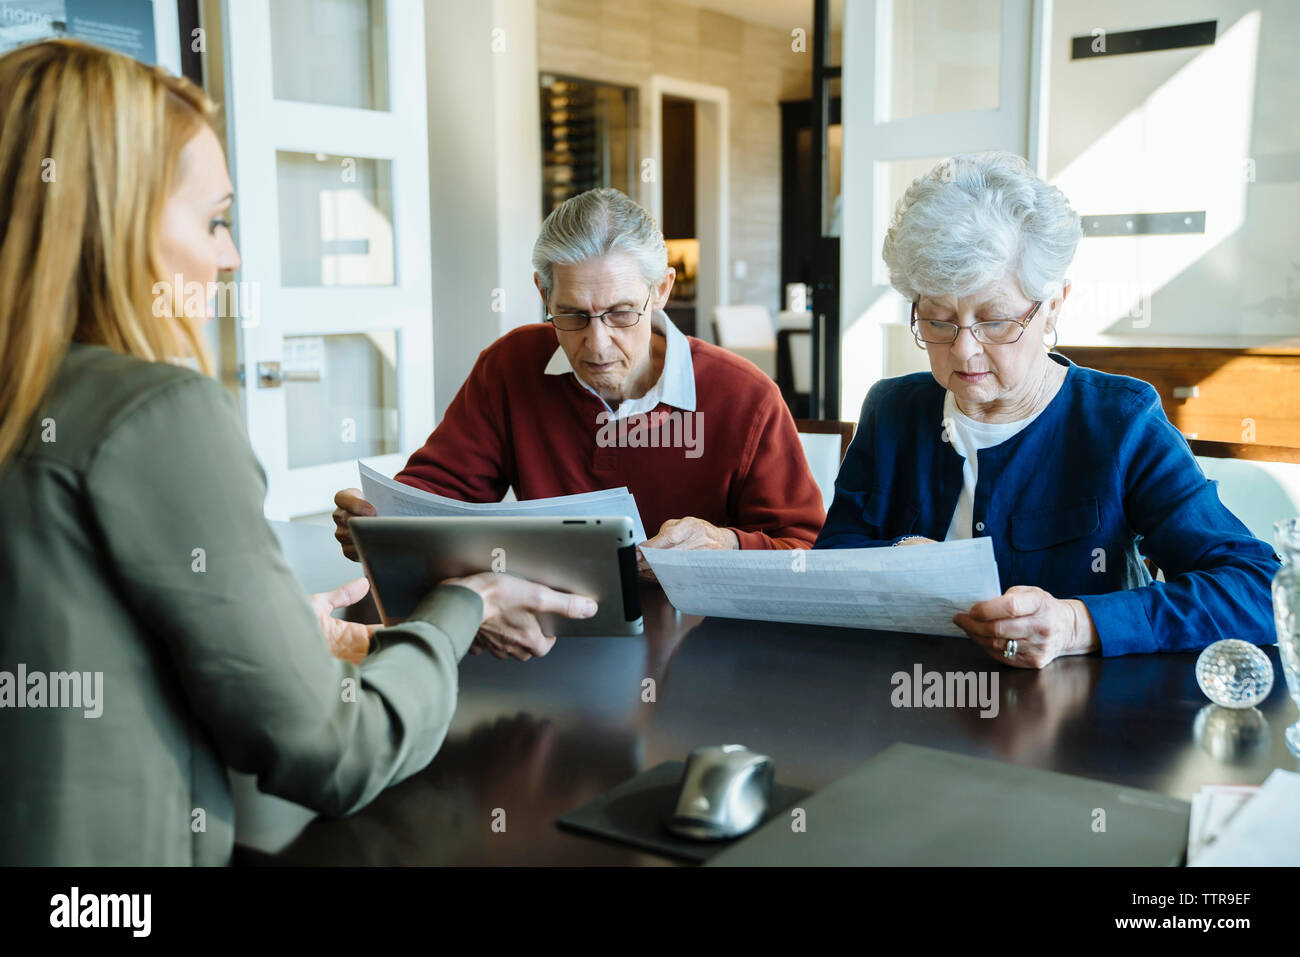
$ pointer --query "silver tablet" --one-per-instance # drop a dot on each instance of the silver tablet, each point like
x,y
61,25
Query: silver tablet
x,y
405,558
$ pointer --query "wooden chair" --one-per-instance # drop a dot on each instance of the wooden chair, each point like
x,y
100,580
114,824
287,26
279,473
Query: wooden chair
x,y
1244,450
747,331
844,430
794,369
823,452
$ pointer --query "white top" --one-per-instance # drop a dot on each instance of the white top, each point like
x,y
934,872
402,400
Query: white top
x,y
676,384
968,436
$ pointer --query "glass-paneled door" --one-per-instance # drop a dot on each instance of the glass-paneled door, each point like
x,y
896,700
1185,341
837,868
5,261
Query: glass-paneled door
x,y
327,136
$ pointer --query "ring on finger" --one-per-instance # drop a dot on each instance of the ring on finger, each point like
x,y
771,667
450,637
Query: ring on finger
x,y
1010,648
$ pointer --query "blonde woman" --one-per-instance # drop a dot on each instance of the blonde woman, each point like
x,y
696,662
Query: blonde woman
x,y
151,633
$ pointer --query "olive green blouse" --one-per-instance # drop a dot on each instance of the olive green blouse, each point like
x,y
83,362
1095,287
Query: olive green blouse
x,y
134,553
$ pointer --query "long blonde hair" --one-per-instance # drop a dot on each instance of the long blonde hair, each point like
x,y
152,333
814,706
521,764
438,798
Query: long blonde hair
x,y
89,148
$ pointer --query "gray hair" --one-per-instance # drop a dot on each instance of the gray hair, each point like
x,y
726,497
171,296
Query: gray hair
x,y
975,218
594,224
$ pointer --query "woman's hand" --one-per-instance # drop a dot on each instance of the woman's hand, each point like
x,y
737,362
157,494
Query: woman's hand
x,y
511,605
1043,627
349,640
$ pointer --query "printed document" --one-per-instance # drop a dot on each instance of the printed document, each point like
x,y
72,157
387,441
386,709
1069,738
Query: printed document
x,y
910,588
1264,833
391,498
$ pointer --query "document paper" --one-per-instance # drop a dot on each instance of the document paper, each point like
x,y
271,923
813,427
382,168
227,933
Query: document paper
x,y
911,588
391,498
1264,833
1213,808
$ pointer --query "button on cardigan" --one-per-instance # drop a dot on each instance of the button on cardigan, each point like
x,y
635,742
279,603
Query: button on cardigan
x,y
1071,503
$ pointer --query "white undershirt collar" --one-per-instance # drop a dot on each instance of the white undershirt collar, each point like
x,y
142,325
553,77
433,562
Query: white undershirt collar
x,y
676,383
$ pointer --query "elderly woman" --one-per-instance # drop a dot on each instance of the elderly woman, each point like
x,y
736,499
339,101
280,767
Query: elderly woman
x,y
1073,473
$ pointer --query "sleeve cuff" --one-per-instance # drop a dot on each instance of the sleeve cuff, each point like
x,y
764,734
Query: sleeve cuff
x,y
1122,623
751,539
454,610
838,541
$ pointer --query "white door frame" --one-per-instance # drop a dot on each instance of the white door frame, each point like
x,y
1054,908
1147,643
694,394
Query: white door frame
x,y
258,126
1040,86
712,186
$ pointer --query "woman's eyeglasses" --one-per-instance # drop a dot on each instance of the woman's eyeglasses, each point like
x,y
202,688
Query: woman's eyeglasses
x,y
997,332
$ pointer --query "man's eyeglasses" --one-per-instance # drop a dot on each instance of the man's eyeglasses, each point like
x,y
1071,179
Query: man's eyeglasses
x,y
614,318
997,332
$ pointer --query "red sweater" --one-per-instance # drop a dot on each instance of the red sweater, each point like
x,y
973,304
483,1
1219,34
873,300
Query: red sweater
x,y
738,462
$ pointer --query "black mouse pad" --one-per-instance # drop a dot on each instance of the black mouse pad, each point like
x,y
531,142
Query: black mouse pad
x,y
633,812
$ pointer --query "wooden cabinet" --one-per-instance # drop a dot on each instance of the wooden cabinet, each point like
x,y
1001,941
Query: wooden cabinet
x,y
1248,395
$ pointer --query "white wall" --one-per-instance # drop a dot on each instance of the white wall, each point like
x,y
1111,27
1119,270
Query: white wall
x,y
1205,128
1179,130
485,174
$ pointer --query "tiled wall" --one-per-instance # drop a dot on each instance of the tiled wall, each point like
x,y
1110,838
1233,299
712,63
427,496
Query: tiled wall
x,y
620,42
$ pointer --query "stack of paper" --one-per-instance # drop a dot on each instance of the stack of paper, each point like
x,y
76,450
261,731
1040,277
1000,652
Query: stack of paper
x,y
392,498
1212,808
913,588
1264,831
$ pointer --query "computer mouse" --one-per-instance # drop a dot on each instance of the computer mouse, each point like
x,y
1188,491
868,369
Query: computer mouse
x,y
724,793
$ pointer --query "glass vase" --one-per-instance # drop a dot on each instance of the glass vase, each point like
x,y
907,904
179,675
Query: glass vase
x,y
1286,613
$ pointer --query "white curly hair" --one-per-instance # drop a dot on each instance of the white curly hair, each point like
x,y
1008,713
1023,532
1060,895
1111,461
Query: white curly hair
x,y
975,218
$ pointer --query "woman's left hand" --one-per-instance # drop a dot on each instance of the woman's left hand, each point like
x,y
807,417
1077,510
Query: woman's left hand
x,y
1043,627
348,640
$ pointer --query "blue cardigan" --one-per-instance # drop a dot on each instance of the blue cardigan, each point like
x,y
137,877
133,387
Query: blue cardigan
x,y
1070,502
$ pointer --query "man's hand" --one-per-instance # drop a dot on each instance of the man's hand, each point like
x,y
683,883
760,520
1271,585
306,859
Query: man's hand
x,y
685,533
349,502
1044,627
511,605
348,640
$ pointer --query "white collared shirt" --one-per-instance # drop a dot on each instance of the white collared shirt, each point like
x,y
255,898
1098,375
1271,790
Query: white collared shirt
x,y
968,436
676,384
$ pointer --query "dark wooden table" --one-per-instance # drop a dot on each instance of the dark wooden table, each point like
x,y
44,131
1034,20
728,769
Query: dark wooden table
x,y
536,739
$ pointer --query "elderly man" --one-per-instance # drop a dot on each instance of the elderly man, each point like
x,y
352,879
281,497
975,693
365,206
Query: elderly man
x,y
607,392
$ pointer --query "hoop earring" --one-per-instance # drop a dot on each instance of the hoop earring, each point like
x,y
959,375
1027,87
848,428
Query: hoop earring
x,y
1056,337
